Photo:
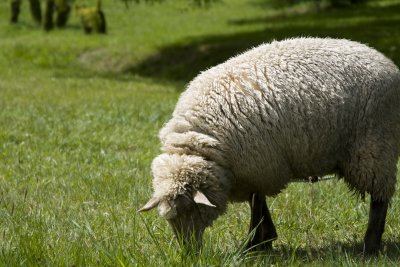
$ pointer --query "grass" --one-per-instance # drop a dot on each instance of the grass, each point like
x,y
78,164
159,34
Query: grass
x,y
79,117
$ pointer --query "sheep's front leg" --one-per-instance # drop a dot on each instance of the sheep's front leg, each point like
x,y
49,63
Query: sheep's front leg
x,y
376,226
261,221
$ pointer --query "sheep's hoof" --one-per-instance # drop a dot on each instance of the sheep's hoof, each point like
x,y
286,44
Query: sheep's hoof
x,y
371,250
259,246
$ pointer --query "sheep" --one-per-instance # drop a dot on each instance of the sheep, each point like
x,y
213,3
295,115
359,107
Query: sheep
x,y
301,107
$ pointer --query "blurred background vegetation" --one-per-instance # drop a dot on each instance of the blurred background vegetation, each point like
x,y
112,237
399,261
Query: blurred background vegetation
x,y
175,40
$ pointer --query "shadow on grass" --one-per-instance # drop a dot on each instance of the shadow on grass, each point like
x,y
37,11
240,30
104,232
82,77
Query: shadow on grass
x,y
338,252
33,26
377,26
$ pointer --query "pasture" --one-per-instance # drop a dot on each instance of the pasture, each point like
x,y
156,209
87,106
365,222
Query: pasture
x,y
79,117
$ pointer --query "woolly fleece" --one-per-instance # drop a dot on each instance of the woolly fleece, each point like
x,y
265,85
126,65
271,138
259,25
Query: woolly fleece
x,y
284,110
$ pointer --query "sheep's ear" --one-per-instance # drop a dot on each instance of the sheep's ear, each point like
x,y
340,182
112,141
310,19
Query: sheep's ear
x,y
151,204
200,198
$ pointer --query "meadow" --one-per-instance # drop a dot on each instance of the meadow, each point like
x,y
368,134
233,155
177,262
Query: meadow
x,y
79,117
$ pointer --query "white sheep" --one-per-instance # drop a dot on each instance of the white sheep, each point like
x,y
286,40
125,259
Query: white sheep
x,y
295,108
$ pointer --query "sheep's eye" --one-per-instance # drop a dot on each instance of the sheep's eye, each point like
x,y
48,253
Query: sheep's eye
x,y
183,204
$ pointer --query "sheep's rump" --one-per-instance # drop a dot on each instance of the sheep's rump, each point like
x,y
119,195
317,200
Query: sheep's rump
x,y
293,109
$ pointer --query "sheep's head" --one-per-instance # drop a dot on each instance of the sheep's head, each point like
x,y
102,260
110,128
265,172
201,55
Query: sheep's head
x,y
190,192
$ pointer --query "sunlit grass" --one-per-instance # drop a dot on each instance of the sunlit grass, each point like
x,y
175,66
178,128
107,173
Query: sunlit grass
x,y
78,130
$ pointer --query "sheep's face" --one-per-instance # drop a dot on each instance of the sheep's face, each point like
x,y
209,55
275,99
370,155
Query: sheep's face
x,y
188,218
188,193
188,214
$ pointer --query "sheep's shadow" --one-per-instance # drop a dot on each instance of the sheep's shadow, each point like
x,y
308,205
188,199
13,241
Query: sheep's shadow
x,y
378,26
354,251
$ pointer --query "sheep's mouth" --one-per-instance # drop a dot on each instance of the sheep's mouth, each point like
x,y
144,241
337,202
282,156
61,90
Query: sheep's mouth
x,y
188,234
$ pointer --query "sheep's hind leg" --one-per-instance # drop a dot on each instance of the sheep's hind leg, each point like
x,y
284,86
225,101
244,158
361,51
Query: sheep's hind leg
x,y
261,221
376,226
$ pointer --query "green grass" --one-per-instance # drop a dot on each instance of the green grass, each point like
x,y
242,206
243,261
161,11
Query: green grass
x,y
79,117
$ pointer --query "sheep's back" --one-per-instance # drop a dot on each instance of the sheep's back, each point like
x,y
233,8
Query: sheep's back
x,y
290,109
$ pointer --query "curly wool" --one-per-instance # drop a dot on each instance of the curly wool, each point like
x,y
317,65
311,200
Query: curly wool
x,y
174,174
296,108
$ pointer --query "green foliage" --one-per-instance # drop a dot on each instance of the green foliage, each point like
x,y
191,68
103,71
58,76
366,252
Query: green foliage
x,y
79,119
340,3
196,2
92,18
321,3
